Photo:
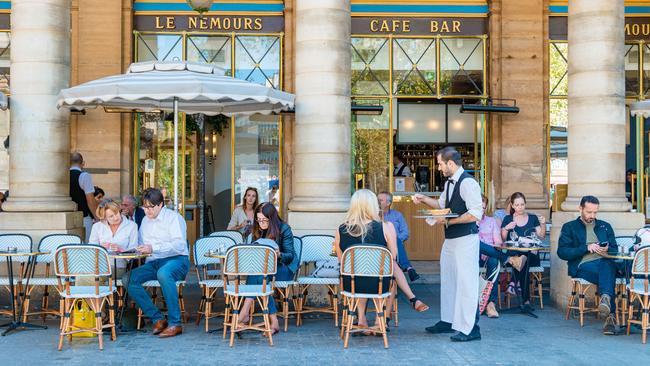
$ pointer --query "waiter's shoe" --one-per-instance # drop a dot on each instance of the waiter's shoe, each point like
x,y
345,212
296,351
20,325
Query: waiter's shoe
x,y
474,335
440,327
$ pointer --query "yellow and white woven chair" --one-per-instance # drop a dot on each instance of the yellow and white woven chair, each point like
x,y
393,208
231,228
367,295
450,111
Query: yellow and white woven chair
x,y
317,248
249,260
640,291
210,279
370,262
85,260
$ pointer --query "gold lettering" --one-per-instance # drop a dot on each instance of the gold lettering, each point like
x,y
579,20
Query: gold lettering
x,y
248,24
226,24
203,23
384,26
258,23
455,26
645,29
445,27
158,25
635,29
434,26
373,25
627,30
406,26
191,22
236,23
215,23
171,23
396,25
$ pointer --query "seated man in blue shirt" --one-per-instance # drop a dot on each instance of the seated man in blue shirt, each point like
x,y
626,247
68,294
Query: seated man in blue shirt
x,y
580,245
402,230
163,236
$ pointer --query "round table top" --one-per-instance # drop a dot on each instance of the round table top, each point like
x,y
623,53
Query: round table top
x,y
215,255
118,255
524,249
21,253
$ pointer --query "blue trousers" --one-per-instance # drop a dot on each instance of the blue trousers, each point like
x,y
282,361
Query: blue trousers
x,y
402,258
283,274
167,271
601,272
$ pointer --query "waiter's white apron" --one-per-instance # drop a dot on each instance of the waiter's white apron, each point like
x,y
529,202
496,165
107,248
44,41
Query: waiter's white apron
x,y
459,282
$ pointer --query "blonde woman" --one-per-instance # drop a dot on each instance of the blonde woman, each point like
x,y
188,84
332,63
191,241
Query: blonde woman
x,y
363,226
113,231
243,215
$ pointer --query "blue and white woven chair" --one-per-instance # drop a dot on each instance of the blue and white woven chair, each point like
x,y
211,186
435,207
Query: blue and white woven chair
x,y
249,260
368,262
232,234
85,260
23,243
210,280
48,243
286,289
640,291
626,242
317,248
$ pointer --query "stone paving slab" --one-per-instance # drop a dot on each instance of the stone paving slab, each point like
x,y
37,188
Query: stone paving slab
x,y
513,339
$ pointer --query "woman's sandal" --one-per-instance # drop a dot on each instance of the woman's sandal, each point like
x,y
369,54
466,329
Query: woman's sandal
x,y
418,305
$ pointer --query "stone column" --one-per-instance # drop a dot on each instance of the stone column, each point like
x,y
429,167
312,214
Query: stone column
x,y
321,176
596,140
40,133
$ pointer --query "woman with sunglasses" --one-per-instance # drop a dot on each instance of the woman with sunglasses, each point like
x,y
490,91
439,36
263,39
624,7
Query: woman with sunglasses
x,y
269,225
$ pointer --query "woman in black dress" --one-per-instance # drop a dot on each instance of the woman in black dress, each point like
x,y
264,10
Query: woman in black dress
x,y
363,226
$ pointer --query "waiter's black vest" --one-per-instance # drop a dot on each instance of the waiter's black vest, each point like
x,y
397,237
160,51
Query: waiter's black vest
x,y
77,194
457,206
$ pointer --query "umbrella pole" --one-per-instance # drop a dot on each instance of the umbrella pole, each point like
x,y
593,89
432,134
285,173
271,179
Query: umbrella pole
x,y
175,154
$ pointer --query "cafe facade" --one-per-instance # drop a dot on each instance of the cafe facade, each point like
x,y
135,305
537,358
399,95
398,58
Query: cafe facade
x,y
418,60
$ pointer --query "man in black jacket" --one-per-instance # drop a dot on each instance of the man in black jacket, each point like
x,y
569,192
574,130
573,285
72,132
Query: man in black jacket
x,y
582,243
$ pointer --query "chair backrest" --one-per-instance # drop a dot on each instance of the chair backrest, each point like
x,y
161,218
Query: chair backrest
x,y
626,241
295,263
20,241
232,234
250,259
205,244
49,243
316,247
81,260
641,263
367,261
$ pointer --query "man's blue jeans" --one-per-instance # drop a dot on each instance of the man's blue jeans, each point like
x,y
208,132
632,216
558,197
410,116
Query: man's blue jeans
x,y
402,258
601,272
167,271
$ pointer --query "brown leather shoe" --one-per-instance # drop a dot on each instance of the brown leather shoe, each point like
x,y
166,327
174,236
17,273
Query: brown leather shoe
x,y
159,326
171,331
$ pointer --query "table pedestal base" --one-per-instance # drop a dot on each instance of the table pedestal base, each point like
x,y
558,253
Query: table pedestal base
x,y
15,325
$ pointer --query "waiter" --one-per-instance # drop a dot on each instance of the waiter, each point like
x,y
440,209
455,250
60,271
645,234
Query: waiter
x,y
460,253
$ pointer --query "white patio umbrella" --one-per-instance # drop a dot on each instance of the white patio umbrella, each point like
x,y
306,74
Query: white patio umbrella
x,y
178,87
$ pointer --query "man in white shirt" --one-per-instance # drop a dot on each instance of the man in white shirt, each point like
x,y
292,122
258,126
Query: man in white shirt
x,y
460,252
401,169
82,191
163,235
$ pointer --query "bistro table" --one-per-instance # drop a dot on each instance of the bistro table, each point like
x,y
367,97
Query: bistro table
x,y
522,249
15,323
130,258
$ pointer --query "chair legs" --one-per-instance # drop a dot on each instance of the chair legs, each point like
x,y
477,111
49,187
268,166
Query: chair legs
x,y
644,302
232,321
536,286
350,310
333,291
96,305
580,291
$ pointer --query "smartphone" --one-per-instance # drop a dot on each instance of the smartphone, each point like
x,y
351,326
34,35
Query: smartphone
x,y
603,244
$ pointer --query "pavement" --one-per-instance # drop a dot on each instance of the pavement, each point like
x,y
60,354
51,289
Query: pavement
x,y
513,339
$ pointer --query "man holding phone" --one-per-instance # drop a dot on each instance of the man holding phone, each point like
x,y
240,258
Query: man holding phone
x,y
582,243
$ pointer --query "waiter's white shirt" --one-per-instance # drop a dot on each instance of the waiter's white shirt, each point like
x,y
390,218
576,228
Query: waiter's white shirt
x,y
167,234
470,192
126,235
85,181
405,173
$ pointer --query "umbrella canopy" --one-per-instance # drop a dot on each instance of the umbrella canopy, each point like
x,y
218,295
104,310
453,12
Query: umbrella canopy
x,y
199,88
641,108
179,87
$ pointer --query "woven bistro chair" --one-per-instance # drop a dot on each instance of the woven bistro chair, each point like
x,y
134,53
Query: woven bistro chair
x,y
579,291
287,289
85,260
23,243
232,234
210,279
640,291
621,282
48,243
316,248
369,262
249,260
